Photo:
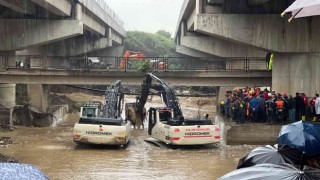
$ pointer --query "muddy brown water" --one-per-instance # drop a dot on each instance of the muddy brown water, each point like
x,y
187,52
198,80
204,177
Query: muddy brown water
x,y
52,150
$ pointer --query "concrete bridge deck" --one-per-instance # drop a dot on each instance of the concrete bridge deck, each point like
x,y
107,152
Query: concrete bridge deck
x,y
177,78
253,28
59,27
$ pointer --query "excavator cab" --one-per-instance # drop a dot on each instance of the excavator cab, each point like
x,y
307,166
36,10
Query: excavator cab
x,y
162,114
130,55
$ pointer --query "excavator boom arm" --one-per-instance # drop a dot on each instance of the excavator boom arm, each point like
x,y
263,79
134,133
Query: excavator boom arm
x,y
113,100
168,94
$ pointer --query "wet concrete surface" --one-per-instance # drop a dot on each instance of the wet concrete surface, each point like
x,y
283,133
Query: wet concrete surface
x,y
53,151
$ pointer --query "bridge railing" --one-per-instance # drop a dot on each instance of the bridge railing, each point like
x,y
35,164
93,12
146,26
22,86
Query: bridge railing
x,y
106,63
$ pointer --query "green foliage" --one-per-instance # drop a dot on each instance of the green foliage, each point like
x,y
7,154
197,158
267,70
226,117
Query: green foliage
x,y
175,66
152,45
164,33
143,66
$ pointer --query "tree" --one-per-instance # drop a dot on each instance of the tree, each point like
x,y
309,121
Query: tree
x,y
164,33
152,45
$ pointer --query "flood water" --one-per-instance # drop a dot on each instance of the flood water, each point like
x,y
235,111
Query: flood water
x,y
53,151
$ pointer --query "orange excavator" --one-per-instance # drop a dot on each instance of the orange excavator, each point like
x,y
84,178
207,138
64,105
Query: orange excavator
x,y
131,55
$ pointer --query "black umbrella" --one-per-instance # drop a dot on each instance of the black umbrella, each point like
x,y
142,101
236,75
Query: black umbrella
x,y
273,172
20,171
304,136
312,161
276,154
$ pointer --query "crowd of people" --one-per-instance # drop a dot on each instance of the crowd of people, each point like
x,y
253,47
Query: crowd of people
x,y
256,105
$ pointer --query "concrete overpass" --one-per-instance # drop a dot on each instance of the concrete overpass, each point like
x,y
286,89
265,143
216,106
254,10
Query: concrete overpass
x,y
64,27
56,28
39,80
102,77
232,28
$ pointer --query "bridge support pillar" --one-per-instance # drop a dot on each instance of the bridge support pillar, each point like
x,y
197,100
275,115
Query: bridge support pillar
x,y
8,95
293,73
8,100
221,95
38,94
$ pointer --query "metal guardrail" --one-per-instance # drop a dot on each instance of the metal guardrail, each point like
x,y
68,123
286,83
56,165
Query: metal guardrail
x,y
105,63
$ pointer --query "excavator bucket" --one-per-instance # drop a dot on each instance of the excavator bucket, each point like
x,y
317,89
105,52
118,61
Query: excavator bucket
x,y
134,116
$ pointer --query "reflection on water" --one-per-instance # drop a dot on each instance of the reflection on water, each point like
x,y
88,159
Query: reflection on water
x,y
52,150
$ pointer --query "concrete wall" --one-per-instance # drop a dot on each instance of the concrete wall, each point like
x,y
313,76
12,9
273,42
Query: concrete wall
x,y
8,95
252,134
254,6
268,32
236,28
22,33
21,6
58,113
79,45
296,73
58,7
116,51
219,47
105,14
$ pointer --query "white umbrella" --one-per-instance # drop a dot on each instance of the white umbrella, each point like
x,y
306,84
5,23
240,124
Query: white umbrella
x,y
303,8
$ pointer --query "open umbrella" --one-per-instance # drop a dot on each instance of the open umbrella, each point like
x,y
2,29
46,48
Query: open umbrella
x,y
276,154
273,172
304,136
303,8
313,162
10,171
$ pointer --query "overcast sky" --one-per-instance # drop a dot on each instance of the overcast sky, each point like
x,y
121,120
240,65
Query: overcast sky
x,y
148,15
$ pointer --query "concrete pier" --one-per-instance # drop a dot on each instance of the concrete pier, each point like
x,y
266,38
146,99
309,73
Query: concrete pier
x,y
38,94
8,95
249,133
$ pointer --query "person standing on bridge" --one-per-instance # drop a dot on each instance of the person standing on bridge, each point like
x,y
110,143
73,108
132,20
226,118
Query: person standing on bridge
x,y
269,60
